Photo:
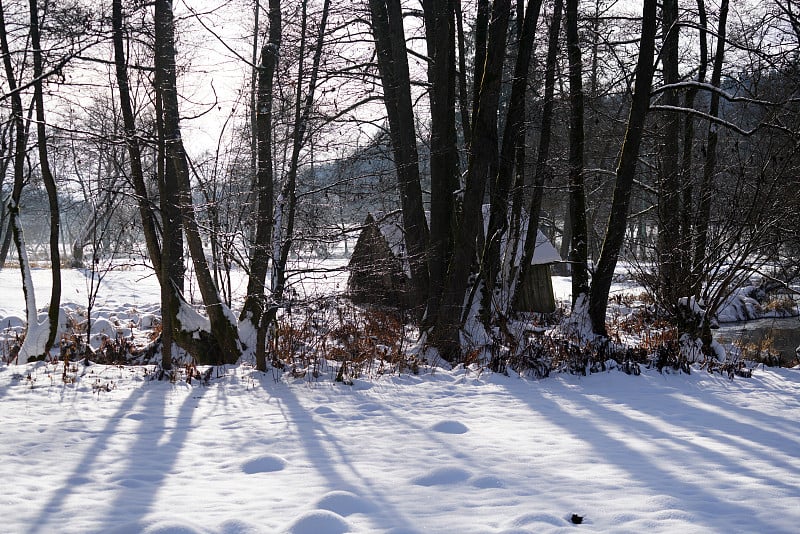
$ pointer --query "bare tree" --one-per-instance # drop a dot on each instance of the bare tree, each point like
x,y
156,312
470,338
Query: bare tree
x,y
482,164
578,254
440,40
541,171
617,223
255,305
513,139
387,27
223,324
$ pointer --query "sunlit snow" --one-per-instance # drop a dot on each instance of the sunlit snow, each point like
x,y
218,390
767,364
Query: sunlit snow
x,y
445,451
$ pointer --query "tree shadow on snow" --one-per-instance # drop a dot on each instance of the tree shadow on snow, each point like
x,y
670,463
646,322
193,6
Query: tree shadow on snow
x,y
151,457
139,469
332,461
676,452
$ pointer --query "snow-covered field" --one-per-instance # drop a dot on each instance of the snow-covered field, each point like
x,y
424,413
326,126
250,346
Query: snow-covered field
x,y
447,451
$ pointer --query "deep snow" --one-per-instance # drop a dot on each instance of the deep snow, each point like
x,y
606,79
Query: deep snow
x,y
443,452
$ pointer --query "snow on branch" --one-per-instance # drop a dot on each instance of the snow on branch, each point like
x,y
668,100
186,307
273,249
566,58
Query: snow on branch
x,y
713,89
721,122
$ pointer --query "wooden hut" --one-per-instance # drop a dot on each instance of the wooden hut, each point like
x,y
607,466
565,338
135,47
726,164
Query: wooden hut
x,y
379,271
536,293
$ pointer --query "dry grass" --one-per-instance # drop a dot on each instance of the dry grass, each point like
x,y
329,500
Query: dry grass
x,y
782,305
346,340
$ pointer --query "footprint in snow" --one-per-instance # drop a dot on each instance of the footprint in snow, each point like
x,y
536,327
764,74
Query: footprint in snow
x,y
237,526
488,482
442,476
370,407
345,503
538,520
269,463
324,411
318,521
450,427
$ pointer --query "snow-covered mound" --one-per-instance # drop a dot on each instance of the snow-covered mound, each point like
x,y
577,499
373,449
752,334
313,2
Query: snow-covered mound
x,y
746,304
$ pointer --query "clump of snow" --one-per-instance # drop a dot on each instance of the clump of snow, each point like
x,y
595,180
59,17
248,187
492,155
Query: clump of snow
x,y
319,522
148,321
741,305
12,323
345,503
192,321
264,464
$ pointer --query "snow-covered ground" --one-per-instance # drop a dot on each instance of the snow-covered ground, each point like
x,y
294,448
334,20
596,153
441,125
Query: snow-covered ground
x,y
446,451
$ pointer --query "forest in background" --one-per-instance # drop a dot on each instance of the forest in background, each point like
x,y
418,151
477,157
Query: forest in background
x,y
664,135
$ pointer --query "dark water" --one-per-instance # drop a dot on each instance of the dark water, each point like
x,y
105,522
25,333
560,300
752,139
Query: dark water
x,y
784,333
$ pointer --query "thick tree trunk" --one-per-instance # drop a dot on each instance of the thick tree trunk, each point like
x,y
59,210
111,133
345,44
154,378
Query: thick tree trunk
x,y
387,27
482,165
626,170
440,37
672,282
579,244
255,300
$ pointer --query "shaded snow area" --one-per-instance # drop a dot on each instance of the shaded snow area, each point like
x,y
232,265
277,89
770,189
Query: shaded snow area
x,y
443,452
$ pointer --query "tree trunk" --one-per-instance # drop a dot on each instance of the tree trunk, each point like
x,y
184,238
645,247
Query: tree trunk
x,y
513,137
255,300
482,164
699,262
20,145
687,207
463,98
482,17
223,327
672,283
387,27
255,79
132,144
6,243
579,244
6,159
48,179
440,38
626,170
285,239
543,153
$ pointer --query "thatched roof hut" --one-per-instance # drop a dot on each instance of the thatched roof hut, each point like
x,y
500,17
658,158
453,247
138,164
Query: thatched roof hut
x,y
376,270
